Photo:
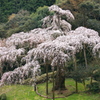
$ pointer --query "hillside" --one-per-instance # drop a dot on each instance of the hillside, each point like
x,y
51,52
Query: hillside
x,y
8,7
28,17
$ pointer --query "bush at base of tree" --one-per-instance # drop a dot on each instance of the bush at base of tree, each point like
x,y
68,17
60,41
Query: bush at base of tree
x,y
96,75
3,97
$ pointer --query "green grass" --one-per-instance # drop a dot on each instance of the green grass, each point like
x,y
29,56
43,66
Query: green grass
x,y
42,90
23,92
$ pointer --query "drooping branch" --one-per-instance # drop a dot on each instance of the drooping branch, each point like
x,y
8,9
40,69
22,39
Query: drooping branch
x,y
33,38
32,69
55,22
61,12
10,54
62,48
96,50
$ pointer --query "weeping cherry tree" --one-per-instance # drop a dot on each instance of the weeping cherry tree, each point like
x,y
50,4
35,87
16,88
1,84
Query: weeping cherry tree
x,y
54,44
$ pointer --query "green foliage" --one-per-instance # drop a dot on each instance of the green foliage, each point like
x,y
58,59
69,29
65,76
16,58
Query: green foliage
x,y
96,11
91,9
18,20
59,2
15,24
93,24
86,12
79,20
80,74
24,21
50,2
96,75
41,12
90,70
80,56
7,7
90,23
2,31
94,87
3,97
86,6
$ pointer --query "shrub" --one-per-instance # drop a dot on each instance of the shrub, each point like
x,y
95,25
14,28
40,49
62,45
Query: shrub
x,y
93,24
96,75
2,31
3,97
94,87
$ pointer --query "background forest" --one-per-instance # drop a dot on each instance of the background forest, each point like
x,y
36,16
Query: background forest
x,y
25,15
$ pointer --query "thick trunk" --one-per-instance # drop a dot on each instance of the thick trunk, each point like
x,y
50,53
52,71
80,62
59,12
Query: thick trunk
x,y
60,80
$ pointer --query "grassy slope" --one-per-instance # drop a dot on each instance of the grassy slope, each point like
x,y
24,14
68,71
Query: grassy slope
x,y
22,92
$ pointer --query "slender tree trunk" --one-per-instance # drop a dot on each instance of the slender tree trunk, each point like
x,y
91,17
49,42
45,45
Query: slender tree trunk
x,y
34,84
91,80
76,82
85,64
1,73
84,84
53,97
46,79
85,56
60,79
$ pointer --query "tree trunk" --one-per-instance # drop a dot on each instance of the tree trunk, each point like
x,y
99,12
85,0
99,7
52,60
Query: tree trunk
x,y
85,56
46,79
84,84
60,79
53,95
1,73
76,82
91,80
